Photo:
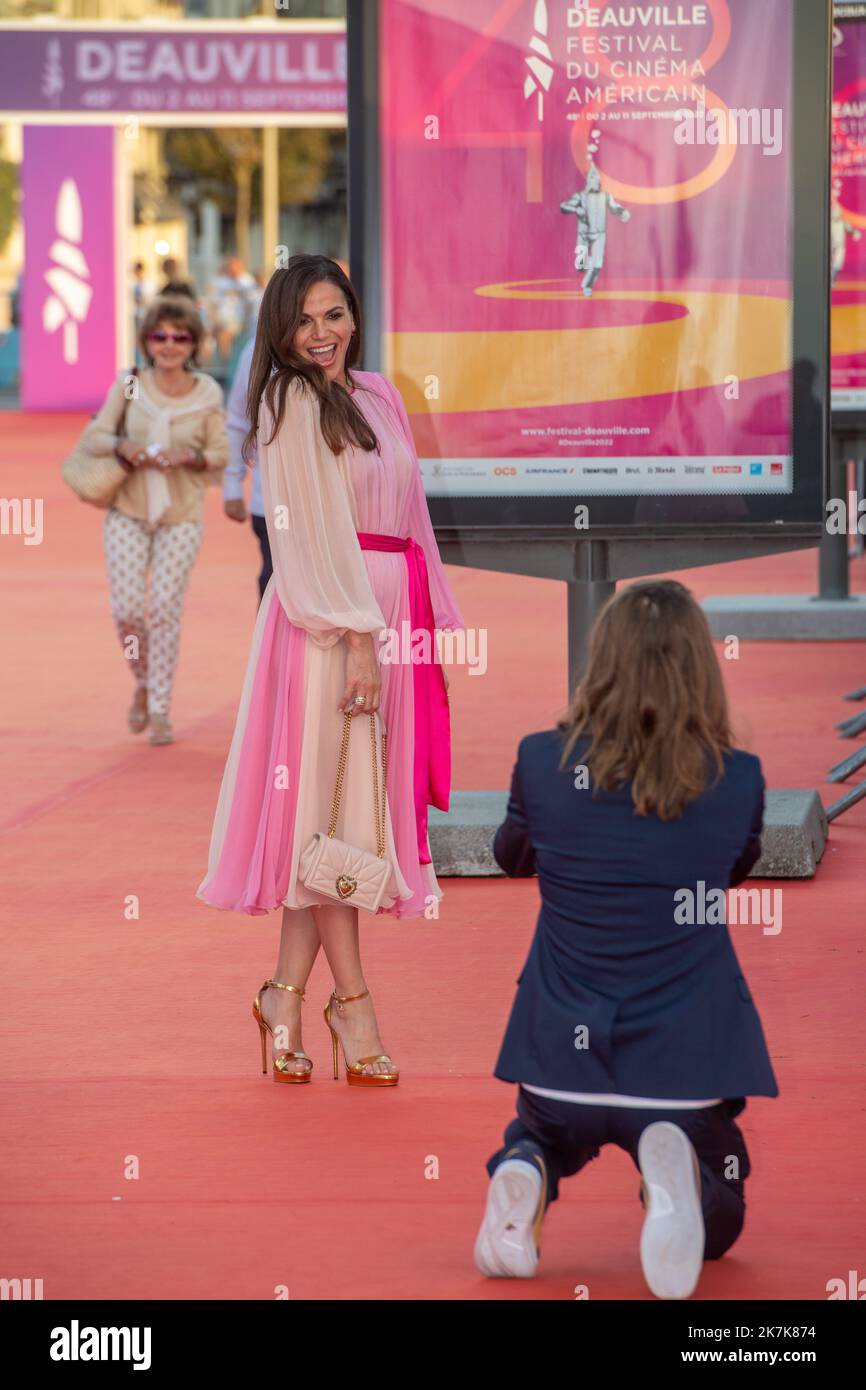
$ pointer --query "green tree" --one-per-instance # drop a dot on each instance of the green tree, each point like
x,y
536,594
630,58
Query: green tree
x,y
222,161
226,165
304,161
9,200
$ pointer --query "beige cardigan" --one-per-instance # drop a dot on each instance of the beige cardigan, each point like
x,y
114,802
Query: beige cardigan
x,y
195,421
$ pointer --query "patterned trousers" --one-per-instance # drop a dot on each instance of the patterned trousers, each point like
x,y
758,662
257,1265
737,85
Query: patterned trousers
x,y
150,640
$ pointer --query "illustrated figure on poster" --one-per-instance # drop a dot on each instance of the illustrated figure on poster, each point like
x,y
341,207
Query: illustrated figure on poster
x,y
591,207
840,231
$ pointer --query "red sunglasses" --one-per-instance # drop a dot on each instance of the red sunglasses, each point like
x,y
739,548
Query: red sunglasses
x,y
182,338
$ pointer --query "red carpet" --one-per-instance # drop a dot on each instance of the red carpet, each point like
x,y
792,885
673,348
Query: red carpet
x,y
130,1042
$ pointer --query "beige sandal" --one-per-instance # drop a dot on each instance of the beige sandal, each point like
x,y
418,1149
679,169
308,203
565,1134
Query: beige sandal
x,y
137,716
160,729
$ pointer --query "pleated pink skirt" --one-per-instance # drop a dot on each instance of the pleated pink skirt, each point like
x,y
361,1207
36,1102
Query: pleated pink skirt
x,y
278,783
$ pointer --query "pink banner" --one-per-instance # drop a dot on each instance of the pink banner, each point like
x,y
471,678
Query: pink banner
x,y
587,214
192,69
69,320
848,216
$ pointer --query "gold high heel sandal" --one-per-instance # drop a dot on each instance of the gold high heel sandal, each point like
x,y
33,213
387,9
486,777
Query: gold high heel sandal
x,y
280,1063
354,1075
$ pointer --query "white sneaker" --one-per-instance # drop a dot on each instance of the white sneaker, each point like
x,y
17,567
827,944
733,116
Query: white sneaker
x,y
672,1239
508,1242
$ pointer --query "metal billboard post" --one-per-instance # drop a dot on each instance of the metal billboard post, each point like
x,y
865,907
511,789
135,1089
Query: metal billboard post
x,y
364,156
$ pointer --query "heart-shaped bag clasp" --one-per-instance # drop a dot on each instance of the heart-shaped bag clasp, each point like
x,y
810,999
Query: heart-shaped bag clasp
x,y
346,885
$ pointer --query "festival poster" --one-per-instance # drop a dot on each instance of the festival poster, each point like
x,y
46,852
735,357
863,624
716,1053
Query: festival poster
x,y
587,241
848,210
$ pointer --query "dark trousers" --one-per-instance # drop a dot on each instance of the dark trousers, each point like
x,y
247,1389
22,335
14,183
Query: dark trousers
x,y
567,1135
261,529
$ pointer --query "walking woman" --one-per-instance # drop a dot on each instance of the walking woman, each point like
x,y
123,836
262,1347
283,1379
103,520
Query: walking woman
x,y
174,446
354,560
633,1024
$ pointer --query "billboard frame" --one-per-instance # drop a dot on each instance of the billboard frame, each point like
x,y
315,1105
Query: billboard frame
x,y
591,562
849,423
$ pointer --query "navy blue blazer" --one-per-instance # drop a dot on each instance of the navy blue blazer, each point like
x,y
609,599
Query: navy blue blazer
x,y
616,995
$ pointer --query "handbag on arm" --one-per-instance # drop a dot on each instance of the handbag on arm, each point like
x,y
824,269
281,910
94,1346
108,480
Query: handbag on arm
x,y
97,478
339,870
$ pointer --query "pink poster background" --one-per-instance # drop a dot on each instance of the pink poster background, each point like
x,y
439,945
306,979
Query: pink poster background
x,y
478,206
848,220
68,324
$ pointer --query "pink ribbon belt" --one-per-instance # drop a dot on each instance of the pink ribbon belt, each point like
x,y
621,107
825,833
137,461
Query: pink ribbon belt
x,y
432,766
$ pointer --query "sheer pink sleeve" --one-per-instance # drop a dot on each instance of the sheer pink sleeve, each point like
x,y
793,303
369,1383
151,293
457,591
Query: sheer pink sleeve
x,y
446,610
319,572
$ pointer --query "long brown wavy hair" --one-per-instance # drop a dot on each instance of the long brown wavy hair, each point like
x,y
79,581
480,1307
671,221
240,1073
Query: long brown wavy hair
x,y
275,362
652,700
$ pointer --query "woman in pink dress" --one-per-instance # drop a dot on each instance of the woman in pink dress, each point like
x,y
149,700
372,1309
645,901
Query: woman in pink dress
x,y
356,571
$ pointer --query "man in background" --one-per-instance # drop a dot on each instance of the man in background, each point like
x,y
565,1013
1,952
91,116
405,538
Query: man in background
x,y
175,283
141,293
234,479
231,307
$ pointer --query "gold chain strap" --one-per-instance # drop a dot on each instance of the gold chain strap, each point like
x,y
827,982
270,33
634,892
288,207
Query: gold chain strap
x,y
378,811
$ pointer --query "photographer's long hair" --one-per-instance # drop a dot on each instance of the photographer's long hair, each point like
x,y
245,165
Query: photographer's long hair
x,y
275,363
652,700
